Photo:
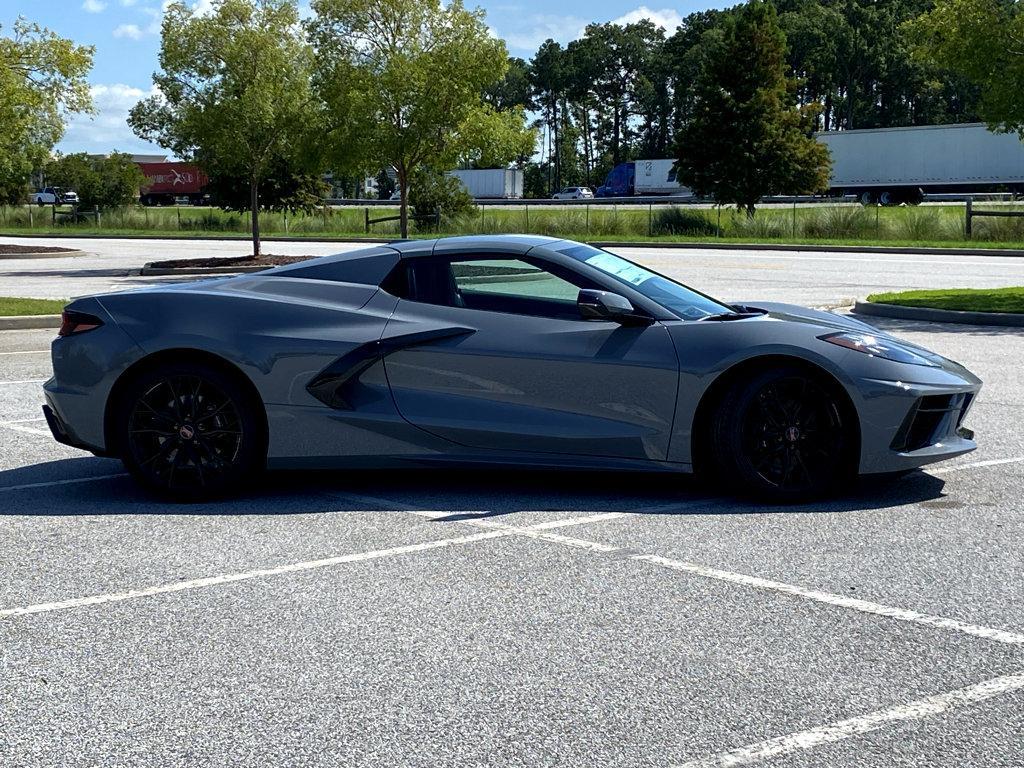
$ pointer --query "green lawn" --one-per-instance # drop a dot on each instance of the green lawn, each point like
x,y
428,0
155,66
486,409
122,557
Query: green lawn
x,y
839,224
19,306
968,299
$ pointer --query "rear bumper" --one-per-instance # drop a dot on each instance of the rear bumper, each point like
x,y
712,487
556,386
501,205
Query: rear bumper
x,y
64,434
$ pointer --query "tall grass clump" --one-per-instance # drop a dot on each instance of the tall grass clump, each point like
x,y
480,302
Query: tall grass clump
x,y
837,222
680,221
760,226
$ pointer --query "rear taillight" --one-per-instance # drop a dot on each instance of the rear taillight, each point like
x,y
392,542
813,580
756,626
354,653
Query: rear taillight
x,y
72,322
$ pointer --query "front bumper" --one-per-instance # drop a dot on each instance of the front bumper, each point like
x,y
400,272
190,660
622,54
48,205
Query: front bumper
x,y
906,425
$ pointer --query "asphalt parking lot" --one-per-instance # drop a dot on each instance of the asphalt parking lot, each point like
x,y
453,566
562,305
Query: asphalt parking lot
x,y
515,618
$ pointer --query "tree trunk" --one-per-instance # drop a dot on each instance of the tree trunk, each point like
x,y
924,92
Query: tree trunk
x,y
403,187
254,206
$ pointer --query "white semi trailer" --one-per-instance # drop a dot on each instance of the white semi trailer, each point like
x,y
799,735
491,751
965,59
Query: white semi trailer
x,y
491,182
896,165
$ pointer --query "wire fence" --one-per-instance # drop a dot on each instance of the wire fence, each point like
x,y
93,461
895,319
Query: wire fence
x,y
627,219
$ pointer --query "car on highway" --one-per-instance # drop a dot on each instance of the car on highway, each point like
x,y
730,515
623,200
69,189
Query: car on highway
x,y
573,193
54,196
492,350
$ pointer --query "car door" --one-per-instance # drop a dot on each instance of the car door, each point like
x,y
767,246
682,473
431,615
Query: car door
x,y
519,370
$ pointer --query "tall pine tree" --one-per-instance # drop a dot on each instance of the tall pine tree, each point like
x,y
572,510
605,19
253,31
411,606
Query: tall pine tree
x,y
745,137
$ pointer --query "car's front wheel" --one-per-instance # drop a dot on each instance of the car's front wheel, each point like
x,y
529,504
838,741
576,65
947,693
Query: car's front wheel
x,y
189,431
782,435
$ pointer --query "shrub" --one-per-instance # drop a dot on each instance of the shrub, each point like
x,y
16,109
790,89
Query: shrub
x,y
680,221
835,222
431,191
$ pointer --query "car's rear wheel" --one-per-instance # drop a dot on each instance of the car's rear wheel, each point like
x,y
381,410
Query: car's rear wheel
x,y
189,431
781,435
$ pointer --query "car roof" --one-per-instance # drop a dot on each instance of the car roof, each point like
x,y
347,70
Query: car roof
x,y
465,243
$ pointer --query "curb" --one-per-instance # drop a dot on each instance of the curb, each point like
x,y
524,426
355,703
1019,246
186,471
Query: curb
x,y
939,316
44,254
148,269
17,322
953,251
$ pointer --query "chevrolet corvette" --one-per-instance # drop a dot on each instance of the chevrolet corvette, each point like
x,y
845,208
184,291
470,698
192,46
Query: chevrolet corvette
x,y
491,350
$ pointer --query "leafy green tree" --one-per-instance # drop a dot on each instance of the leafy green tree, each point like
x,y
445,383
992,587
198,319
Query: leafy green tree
x,y
984,41
42,81
104,182
408,77
513,90
747,138
282,188
235,93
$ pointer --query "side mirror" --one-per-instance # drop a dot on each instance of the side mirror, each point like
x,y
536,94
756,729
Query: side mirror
x,y
605,305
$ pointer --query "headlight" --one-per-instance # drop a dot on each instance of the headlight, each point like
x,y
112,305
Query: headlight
x,y
877,346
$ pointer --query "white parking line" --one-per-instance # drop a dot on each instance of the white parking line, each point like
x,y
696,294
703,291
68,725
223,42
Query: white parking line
x,y
21,381
24,352
841,601
65,482
222,579
972,465
23,429
851,727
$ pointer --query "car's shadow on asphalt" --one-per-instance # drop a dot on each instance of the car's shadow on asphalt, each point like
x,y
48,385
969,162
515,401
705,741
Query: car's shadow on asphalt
x,y
460,494
896,326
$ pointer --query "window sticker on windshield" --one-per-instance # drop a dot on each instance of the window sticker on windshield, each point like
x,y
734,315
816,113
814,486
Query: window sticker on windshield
x,y
620,268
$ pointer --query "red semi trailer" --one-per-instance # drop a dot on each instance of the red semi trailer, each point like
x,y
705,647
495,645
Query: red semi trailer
x,y
166,183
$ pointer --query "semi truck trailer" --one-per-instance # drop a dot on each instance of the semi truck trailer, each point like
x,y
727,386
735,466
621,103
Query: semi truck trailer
x,y
166,183
491,182
878,165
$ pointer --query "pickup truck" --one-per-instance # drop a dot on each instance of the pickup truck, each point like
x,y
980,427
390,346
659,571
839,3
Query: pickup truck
x,y
54,196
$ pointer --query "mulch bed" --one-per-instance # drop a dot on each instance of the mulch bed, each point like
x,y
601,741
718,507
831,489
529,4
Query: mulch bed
x,y
6,248
264,260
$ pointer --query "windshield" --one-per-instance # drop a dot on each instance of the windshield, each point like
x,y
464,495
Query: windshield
x,y
684,302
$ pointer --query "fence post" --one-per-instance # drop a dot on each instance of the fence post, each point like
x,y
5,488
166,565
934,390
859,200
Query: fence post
x,y
794,216
96,210
588,218
526,207
286,221
179,217
53,215
437,219
719,220
482,209
650,219
30,223
968,231
366,214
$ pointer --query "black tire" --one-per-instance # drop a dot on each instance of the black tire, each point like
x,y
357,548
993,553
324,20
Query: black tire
x,y
867,198
189,431
39,202
782,435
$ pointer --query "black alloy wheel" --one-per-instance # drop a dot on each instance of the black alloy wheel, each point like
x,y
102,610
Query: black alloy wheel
x,y
189,432
782,436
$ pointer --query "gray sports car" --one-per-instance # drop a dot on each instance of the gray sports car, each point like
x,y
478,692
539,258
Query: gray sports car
x,y
492,350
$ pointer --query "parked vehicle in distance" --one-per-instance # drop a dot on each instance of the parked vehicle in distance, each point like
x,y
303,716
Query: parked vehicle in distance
x,y
888,166
54,196
500,350
573,193
901,165
485,183
167,183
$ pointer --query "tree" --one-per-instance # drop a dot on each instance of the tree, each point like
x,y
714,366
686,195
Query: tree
x,y
409,76
746,138
235,93
42,81
108,182
282,188
984,41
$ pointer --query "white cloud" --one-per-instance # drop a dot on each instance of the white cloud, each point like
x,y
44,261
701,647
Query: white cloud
x,y
537,28
666,18
108,130
94,6
131,31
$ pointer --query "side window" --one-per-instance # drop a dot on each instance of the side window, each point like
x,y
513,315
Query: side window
x,y
498,284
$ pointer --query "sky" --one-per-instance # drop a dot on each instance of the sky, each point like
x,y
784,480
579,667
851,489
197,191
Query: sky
x,y
126,35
